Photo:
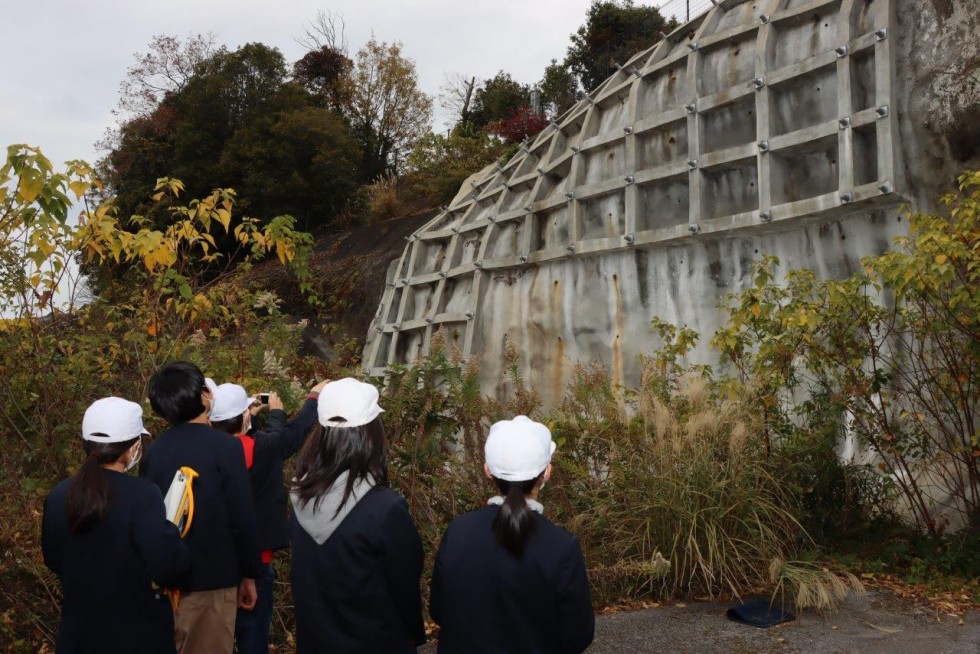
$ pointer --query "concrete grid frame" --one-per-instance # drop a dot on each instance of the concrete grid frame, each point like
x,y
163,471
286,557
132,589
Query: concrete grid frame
x,y
759,114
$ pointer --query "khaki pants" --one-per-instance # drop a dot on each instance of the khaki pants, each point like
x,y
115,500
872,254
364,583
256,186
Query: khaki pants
x,y
205,621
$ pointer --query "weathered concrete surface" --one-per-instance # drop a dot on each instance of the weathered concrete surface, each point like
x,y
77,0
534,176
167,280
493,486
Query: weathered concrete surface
x,y
877,623
788,127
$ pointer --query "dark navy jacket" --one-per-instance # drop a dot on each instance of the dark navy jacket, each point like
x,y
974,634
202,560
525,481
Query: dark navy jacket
x,y
358,592
276,442
222,538
487,601
106,571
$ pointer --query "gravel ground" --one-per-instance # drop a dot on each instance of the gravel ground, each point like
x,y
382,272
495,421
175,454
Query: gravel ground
x,y
876,623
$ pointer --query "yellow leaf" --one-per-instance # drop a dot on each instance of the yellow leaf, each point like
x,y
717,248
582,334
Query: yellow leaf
x,y
30,187
756,310
941,258
224,217
79,187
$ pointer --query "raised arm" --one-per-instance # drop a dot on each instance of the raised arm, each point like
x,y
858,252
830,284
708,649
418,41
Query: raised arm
x,y
286,439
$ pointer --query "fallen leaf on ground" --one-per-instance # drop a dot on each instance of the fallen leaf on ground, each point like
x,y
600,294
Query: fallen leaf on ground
x,y
884,630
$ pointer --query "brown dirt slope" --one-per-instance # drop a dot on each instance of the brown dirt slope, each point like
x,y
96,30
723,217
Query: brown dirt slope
x,y
350,268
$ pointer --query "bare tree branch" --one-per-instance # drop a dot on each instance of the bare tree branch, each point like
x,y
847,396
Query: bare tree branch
x,y
327,29
455,96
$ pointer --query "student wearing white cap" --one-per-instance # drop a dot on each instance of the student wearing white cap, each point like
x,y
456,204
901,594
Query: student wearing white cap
x,y
106,536
265,451
223,539
506,579
357,557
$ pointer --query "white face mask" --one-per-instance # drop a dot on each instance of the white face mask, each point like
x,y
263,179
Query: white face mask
x,y
135,458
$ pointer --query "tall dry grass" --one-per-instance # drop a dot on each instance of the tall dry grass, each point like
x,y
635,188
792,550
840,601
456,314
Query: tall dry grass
x,y
383,200
670,487
679,473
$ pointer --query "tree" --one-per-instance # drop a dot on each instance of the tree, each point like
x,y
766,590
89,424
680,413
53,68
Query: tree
x,y
238,122
166,67
614,31
231,92
497,99
326,67
559,88
440,164
388,111
456,95
521,123
325,74
238,84
327,30
309,173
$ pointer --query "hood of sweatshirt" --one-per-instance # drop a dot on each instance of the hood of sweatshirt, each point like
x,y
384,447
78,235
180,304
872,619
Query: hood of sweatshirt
x,y
321,519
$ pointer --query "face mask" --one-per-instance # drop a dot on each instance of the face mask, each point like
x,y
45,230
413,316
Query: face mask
x,y
136,457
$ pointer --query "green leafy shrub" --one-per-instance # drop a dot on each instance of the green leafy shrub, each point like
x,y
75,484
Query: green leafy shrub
x,y
176,298
895,348
438,165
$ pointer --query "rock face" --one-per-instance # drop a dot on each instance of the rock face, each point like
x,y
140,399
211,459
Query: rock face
x,y
780,127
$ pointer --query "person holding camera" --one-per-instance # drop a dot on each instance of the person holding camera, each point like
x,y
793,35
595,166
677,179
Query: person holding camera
x,y
266,450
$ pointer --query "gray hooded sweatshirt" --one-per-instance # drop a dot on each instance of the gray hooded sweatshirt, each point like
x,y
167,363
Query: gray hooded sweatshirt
x,y
320,521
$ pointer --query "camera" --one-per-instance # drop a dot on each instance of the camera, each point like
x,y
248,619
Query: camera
x,y
263,398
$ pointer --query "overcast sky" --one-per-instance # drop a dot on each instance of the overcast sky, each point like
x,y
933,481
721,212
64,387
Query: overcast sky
x,y
64,60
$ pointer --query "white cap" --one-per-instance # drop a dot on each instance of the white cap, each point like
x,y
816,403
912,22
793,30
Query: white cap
x,y
116,419
354,402
210,385
518,449
229,401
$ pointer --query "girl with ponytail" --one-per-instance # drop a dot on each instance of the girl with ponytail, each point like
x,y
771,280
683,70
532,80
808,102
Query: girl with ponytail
x,y
106,535
506,579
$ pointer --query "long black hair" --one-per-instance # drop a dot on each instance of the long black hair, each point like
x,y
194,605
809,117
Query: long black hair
x,y
515,519
88,496
331,451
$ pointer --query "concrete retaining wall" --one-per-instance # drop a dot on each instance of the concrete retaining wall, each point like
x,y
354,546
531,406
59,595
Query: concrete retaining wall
x,y
786,127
